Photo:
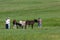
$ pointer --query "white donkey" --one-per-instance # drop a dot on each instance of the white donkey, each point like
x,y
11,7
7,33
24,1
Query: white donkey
x,y
22,22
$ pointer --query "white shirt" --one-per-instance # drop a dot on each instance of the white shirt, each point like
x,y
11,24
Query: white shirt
x,y
8,21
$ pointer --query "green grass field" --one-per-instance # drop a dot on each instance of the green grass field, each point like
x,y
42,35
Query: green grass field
x,y
48,10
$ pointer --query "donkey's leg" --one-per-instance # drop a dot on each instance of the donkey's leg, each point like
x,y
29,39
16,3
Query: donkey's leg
x,y
32,26
17,26
22,27
25,26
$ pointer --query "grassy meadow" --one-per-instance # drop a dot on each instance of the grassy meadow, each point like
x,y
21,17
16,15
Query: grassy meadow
x,y
47,10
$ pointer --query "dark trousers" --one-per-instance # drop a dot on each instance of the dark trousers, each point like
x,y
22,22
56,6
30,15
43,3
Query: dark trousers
x,y
6,26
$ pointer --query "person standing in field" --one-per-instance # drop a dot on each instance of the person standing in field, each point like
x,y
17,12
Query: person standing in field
x,y
39,22
8,23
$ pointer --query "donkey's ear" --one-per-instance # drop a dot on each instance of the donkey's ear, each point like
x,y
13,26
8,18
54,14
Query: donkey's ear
x,y
35,20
